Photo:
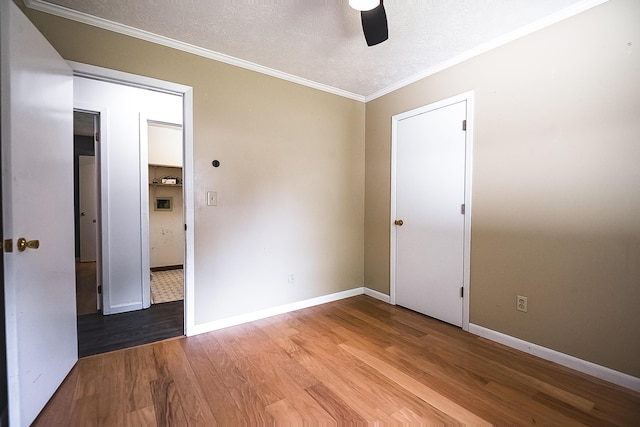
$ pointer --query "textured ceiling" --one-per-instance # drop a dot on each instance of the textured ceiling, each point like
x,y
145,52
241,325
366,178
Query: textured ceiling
x,y
321,40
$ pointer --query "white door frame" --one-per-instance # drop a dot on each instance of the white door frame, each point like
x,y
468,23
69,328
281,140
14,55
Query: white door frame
x,y
468,97
105,74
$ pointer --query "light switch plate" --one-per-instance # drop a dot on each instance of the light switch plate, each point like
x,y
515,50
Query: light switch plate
x,y
212,198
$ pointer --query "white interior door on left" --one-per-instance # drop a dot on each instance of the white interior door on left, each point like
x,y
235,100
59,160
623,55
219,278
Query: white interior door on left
x,y
37,204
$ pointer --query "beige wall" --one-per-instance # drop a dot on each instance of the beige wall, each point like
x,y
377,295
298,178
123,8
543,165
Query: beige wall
x,y
291,181
555,197
556,184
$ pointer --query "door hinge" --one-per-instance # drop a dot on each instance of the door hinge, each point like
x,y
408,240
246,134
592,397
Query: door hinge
x,y
7,245
185,227
462,209
97,136
99,289
464,125
462,292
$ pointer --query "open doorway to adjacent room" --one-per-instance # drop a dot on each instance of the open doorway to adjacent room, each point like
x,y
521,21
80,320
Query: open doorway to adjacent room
x,y
166,212
98,332
86,125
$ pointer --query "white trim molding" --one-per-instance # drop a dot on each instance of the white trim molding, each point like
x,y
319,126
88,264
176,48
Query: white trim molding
x,y
572,362
273,311
105,24
377,295
145,278
123,308
74,15
114,76
490,45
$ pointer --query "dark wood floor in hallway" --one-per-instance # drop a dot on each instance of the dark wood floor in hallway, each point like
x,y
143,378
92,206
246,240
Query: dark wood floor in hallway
x,y
99,334
355,361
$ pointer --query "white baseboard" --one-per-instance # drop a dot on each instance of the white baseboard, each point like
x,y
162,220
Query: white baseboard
x,y
377,295
123,308
572,362
273,311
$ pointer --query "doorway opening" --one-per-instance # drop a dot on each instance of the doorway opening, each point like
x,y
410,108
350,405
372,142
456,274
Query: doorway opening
x,y
86,187
97,332
166,211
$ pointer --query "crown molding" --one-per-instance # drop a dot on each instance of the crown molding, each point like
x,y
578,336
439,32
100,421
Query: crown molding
x,y
116,27
64,12
493,44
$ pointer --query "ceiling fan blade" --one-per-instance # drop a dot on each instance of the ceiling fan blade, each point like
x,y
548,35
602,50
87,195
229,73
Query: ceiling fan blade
x,y
374,25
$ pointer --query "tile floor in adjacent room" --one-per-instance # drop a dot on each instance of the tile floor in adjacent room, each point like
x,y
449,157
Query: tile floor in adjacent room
x,y
167,286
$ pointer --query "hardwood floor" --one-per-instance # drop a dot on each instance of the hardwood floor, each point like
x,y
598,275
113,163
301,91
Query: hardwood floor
x,y
86,295
356,361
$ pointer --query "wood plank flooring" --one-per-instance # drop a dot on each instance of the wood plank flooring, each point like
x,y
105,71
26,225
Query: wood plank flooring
x,y
356,361
99,334
86,294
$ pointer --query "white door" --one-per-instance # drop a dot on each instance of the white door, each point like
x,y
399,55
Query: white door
x,y
430,192
88,208
37,204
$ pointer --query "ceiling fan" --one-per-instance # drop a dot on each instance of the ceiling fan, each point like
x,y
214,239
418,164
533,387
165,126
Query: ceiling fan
x,y
374,20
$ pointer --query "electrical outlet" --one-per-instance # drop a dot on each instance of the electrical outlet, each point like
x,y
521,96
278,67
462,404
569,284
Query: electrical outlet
x,y
292,278
521,303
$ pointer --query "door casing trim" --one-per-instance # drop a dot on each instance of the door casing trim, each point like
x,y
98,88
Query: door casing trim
x,y
114,76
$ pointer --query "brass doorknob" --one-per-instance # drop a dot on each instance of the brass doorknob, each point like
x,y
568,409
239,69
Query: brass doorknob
x,y
24,244
398,222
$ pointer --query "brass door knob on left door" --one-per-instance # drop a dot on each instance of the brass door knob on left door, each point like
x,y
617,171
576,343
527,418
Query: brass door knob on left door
x,y
23,244
398,222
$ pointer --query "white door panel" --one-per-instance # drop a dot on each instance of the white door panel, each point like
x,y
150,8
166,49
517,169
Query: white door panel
x,y
37,203
430,189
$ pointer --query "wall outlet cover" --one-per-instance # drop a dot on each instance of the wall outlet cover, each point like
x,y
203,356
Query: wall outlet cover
x,y
521,303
